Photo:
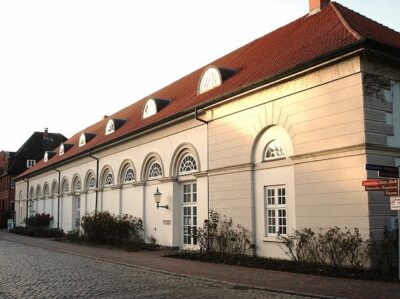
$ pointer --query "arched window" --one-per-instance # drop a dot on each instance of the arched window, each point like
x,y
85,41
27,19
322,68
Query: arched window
x,y
150,108
62,150
38,192
77,184
155,170
129,175
65,186
91,182
273,151
210,79
82,140
108,179
46,191
188,164
54,187
32,193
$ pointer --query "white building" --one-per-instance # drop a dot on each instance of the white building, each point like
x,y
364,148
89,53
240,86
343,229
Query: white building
x,y
275,135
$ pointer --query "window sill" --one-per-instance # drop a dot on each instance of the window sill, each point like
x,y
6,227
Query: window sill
x,y
271,239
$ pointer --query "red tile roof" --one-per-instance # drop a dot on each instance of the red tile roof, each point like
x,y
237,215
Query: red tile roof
x,y
297,44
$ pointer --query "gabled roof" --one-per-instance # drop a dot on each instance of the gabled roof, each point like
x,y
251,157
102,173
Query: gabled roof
x,y
304,42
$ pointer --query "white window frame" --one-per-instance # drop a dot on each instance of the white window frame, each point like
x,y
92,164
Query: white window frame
x,y
150,108
150,175
189,201
277,148
110,127
275,210
187,165
30,163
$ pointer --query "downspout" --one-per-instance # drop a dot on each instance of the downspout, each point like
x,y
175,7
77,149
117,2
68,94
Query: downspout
x,y
97,180
27,199
58,198
196,115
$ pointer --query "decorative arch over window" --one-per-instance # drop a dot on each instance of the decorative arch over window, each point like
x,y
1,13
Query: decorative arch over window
x,y
213,77
188,165
274,150
185,160
76,183
153,106
127,172
152,167
90,181
107,177
54,187
65,186
85,138
46,190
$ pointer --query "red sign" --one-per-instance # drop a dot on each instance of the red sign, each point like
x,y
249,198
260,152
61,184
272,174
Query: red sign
x,y
377,182
381,188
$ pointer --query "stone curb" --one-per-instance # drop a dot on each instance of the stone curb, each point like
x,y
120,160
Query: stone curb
x,y
234,285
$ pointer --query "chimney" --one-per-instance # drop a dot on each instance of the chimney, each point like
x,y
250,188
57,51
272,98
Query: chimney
x,y
317,5
46,134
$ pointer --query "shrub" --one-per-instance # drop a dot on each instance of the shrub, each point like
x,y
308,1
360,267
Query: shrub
x,y
38,220
332,247
218,236
104,228
384,253
40,232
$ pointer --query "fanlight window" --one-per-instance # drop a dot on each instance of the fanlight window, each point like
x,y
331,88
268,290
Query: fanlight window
x,y
129,175
274,150
38,192
65,187
109,180
150,108
31,193
77,186
46,190
110,128
54,188
210,79
155,170
188,165
82,140
91,181
61,151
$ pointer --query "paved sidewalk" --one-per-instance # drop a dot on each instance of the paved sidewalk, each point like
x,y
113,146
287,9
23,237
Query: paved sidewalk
x,y
272,280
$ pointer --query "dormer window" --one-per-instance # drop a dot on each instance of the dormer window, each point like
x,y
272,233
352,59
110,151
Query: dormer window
x,y
48,155
113,125
30,163
110,128
61,151
153,106
212,77
85,138
63,148
82,140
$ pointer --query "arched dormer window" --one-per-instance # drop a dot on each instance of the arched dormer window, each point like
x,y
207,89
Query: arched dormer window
x,y
155,171
213,77
110,127
62,150
48,155
188,165
153,106
85,138
274,151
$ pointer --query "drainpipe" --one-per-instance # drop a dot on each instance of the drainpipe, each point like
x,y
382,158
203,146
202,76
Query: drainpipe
x,y
27,199
97,180
196,115
58,197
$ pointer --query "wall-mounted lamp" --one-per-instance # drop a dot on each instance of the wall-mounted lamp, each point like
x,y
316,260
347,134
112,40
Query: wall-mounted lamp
x,y
157,199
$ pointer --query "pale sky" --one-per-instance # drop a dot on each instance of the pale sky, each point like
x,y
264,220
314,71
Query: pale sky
x,y
66,64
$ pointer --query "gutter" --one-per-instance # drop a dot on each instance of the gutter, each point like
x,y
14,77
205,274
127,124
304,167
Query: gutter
x,y
97,180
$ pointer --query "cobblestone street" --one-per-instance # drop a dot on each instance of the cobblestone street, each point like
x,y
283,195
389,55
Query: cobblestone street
x,y
30,272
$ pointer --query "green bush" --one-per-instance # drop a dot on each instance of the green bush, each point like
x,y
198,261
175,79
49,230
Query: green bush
x,y
104,228
219,236
38,220
333,247
384,254
39,232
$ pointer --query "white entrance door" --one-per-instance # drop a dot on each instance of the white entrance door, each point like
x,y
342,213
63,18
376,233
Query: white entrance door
x,y
189,215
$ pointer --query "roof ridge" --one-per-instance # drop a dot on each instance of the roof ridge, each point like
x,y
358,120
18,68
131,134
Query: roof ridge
x,y
352,31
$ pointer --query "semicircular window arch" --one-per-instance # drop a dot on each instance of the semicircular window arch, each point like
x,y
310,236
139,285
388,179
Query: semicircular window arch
x,y
187,165
274,151
155,170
